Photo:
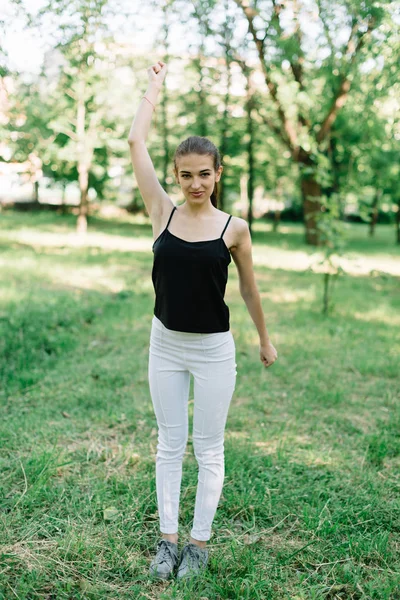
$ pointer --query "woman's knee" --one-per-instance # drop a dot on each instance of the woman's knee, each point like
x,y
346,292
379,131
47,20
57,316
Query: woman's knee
x,y
171,448
207,454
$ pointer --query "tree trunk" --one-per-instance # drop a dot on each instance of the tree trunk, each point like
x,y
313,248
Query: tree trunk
x,y
244,200
224,131
36,191
201,13
83,167
277,213
64,208
250,153
201,107
325,309
277,220
83,206
137,204
227,35
335,165
250,185
398,223
374,212
311,192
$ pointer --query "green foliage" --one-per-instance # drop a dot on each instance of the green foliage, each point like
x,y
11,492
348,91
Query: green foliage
x,y
306,67
331,226
332,239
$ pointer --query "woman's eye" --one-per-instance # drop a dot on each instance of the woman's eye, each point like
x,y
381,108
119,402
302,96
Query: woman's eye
x,y
203,174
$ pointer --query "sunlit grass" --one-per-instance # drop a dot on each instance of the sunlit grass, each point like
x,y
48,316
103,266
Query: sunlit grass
x,y
310,505
272,250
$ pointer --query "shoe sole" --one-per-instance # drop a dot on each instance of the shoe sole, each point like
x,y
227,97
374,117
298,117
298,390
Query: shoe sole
x,y
191,574
162,576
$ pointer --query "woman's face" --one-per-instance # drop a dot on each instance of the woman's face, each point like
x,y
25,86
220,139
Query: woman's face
x,y
196,176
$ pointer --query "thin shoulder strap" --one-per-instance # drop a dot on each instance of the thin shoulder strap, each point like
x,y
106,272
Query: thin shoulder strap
x,y
170,216
227,223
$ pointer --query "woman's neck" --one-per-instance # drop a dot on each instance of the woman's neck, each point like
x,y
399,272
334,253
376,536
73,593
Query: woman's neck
x,y
198,210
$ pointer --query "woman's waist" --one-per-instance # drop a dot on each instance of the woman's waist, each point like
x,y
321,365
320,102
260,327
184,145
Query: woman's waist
x,y
158,325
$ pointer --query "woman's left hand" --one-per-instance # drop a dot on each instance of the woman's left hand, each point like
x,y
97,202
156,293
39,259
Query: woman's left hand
x,y
268,354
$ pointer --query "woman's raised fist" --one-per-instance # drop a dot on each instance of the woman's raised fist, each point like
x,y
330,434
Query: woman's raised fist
x,y
157,73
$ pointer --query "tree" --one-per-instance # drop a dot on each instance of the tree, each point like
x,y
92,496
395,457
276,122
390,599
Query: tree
x,y
297,76
225,38
81,114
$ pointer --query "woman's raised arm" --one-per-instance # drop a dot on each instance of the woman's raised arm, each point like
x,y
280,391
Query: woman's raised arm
x,y
154,196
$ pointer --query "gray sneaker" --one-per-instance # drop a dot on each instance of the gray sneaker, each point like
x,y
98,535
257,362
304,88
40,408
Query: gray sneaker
x,y
163,564
193,560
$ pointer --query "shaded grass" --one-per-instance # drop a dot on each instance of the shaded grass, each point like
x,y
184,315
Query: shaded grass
x,y
310,505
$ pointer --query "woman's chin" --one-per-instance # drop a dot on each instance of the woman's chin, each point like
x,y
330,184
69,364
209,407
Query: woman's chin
x,y
197,199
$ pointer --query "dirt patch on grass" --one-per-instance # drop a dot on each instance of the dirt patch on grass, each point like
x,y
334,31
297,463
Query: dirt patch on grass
x,y
30,553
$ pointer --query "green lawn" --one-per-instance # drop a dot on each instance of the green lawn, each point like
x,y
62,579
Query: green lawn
x,y
310,505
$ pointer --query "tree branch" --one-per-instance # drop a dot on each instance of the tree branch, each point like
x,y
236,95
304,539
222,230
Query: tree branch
x,y
278,132
326,28
68,132
340,98
71,95
351,46
250,13
297,67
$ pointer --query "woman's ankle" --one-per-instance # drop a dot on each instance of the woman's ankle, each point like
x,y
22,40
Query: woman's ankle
x,y
197,542
170,537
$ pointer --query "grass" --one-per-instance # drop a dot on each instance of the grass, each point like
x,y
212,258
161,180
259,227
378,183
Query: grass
x,y
310,505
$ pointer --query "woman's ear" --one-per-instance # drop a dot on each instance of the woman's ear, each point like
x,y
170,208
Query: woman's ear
x,y
219,173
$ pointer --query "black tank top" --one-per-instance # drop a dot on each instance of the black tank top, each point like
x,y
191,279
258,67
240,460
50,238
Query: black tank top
x,y
189,280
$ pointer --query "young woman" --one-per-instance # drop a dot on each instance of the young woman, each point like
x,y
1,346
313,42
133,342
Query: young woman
x,y
190,331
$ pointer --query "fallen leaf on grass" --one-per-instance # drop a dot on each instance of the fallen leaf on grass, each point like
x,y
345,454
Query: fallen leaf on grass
x,y
111,513
251,539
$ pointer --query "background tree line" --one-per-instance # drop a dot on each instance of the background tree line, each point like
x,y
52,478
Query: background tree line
x,y
302,99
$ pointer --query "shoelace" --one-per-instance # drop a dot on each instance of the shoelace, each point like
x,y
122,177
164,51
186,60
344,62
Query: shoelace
x,y
165,552
193,553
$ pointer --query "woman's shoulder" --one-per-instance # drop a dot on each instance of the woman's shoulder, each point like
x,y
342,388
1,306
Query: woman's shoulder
x,y
237,220
237,223
238,228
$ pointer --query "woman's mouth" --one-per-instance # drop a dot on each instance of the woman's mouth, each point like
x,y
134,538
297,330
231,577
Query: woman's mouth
x,y
196,194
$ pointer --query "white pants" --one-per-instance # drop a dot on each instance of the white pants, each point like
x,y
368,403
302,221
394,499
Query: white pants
x,y
210,357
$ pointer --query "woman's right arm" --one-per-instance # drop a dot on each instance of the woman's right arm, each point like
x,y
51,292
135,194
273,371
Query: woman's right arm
x,y
154,196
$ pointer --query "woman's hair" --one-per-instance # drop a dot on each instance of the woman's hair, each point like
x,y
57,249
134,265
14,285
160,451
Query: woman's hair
x,y
196,144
